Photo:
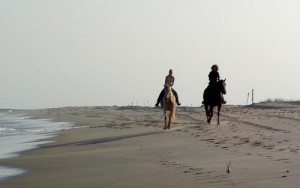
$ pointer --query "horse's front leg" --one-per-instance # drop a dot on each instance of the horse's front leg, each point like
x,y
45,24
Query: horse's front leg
x,y
219,109
165,114
210,114
170,116
207,113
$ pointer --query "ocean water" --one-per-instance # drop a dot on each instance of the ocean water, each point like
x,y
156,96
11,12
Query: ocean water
x,y
18,134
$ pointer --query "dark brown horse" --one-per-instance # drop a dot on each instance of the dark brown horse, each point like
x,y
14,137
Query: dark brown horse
x,y
213,97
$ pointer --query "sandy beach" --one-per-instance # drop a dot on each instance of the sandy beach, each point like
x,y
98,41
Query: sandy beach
x,y
127,147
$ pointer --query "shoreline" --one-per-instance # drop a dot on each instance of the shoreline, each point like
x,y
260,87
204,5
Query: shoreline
x,y
20,133
127,147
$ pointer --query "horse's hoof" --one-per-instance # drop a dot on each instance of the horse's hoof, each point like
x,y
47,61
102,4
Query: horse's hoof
x,y
165,128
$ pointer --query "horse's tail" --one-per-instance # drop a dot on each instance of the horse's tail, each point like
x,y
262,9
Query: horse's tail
x,y
173,115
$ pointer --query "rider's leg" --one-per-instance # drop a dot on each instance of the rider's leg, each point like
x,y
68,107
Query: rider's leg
x,y
161,95
176,96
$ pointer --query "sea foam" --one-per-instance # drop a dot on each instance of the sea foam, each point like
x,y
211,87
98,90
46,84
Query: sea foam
x,y
21,133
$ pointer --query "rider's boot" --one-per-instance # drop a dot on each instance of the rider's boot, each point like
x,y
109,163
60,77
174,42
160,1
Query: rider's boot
x,y
177,100
157,104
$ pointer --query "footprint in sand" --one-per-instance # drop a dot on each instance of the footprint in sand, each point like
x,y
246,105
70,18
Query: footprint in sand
x,y
283,160
294,150
256,143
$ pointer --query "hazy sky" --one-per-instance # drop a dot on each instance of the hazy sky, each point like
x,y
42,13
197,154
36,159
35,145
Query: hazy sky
x,y
56,53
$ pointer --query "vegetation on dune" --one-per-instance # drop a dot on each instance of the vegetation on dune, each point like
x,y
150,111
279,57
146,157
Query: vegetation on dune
x,y
280,100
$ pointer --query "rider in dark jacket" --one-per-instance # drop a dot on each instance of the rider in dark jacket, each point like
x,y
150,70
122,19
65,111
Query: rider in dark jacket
x,y
214,77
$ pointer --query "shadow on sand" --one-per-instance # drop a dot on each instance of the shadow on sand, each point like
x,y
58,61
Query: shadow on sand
x,y
103,140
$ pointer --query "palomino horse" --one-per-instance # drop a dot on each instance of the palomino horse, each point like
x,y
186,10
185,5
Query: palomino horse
x,y
169,104
213,97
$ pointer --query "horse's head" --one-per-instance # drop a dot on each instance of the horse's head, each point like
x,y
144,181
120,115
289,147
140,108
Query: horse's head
x,y
168,88
168,91
222,84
